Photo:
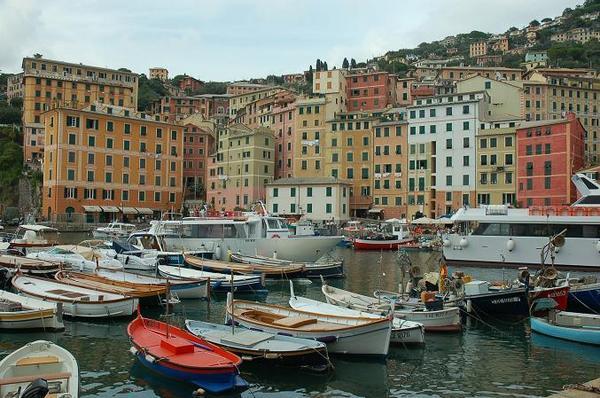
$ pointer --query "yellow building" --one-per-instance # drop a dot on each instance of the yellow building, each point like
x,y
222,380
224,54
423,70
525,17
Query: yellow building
x,y
496,162
239,101
48,83
309,127
242,167
158,73
106,162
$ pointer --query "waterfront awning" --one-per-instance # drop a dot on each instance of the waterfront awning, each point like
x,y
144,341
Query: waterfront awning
x,y
92,209
423,221
144,210
129,210
110,209
444,220
375,210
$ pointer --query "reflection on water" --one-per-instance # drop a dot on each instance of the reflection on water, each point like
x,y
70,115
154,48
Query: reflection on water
x,y
487,359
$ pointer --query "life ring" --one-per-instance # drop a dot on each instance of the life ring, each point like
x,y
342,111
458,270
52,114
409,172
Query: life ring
x,y
275,236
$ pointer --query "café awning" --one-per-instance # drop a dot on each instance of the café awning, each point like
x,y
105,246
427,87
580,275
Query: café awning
x,y
129,210
92,209
144,210
110,209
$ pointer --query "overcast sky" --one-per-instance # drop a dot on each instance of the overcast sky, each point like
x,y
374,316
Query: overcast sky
x,y
239,39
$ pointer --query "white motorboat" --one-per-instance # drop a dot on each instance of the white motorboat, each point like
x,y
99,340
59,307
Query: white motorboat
x,y
343,335
218,282
182,288
32,236
21,312
76,301
501,236
403,331
130,259
114,230
252,344
77,257
444,320
37,360
247,233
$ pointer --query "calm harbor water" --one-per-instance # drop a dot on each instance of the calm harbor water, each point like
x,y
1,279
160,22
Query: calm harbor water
x,y
486,360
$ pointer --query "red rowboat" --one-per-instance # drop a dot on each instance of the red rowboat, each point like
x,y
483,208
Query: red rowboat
x,y
379,244
179,355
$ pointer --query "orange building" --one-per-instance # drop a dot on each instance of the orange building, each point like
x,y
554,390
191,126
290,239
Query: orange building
x,y
49,83
104,163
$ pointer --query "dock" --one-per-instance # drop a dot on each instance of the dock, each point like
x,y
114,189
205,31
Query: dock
x,y
591,389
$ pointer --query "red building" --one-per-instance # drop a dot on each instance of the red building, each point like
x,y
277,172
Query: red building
x,y
173,109
198,143
549,152
189,84
368,89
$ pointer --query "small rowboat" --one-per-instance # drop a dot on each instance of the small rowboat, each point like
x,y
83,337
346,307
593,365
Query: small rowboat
x,y
77,301
445,320
260,345
403,331
179,355
28,265
183,288
572,326
20,312
39,360
270,271
343,335
218,282
94,281
330,269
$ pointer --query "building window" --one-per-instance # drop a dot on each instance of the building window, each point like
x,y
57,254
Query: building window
x,y
448,126
71,175
328,208
328,191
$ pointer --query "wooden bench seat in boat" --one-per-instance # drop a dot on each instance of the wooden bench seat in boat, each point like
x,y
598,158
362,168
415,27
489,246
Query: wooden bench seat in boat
x,y
294,321
37,360
30,378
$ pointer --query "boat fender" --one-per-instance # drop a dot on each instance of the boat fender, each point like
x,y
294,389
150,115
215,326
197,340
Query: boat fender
x,y
126,260
446,242
133,351
149,358
464,242
510,245
469,307
198,393
218,252
272,355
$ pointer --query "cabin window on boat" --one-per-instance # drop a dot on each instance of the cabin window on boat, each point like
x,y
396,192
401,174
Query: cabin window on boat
x,y
545,230
273,223
214,231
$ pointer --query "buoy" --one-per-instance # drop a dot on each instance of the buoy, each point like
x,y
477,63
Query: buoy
x,y
464,242
510,244
149,358
133,350
218,252
198,393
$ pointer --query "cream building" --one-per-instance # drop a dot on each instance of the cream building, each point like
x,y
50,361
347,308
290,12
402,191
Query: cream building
x,y
506,97
316,198
159,73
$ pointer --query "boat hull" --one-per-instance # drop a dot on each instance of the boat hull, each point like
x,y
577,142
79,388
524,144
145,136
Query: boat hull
x,y
513,302
446,320
367,244
558,294
122,308
301,248
579,335
30,319
223,284
316,270
407,335
585,299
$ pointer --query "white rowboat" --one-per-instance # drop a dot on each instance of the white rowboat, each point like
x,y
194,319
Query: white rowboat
x,y
20,312
217,281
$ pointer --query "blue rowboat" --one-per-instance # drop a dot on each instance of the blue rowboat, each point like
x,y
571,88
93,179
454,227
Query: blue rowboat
x,y
572,326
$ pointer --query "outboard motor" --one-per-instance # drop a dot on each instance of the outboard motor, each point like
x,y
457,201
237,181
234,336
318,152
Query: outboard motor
x,y
37,389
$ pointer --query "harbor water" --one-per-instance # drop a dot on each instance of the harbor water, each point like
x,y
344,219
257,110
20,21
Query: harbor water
x,y
489,359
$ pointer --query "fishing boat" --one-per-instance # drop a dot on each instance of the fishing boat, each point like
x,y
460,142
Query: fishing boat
x,y
444,320
76,301
483,300
32,236
584,298
94,281
325,269
403,331
255,345
180,355
28,265
77,257
343,335
391,237
40,368
181,288
252,232
218,282
114,230
19,312
270,271
131,259
572,326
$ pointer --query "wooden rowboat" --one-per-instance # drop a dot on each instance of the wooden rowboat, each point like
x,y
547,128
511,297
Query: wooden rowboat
x,y
39,360
343,335
218,282
95,281
19,312
270,271
178,354
330,269
28,265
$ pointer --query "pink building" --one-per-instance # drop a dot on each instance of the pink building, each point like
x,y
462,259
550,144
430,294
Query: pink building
x,y
549,152
283,128
198,144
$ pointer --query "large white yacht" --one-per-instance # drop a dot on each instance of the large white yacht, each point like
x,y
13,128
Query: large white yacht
x,y
247,233
500,236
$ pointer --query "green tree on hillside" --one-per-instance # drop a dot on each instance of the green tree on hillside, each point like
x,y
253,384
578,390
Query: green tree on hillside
x,y
345,63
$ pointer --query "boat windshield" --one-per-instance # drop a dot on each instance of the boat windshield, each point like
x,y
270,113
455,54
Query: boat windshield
x,y
62,252
214,231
